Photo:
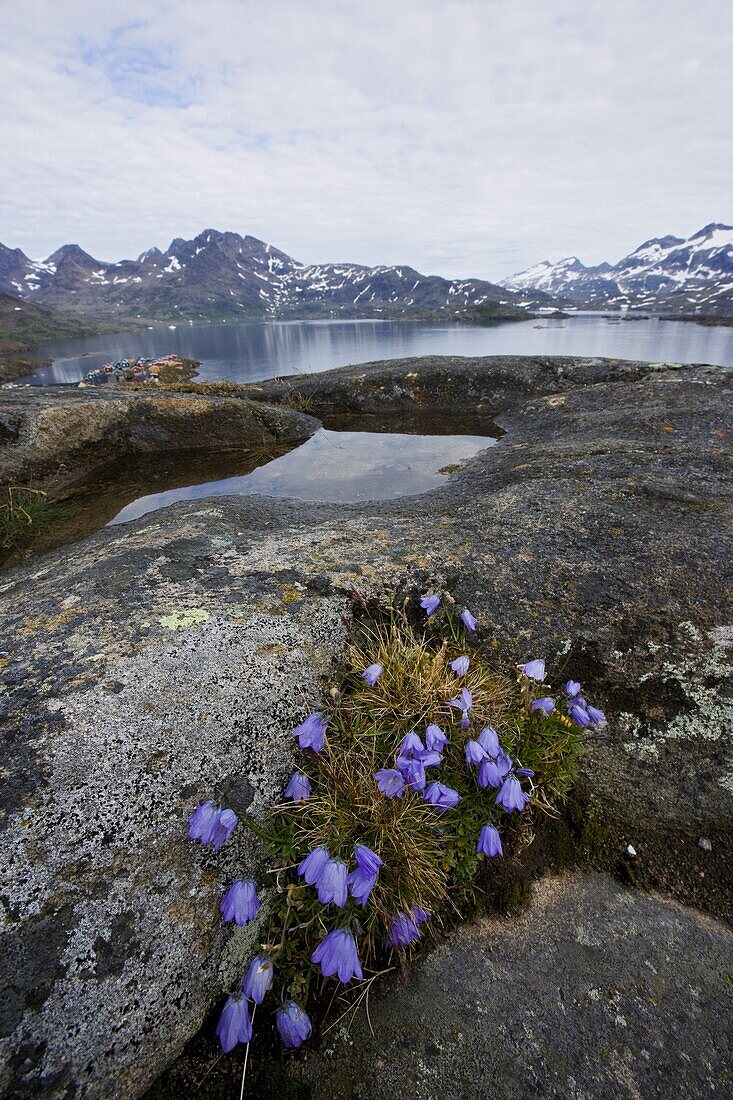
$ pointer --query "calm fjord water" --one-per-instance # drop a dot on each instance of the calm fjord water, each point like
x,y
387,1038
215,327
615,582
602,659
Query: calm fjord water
x,y
252,352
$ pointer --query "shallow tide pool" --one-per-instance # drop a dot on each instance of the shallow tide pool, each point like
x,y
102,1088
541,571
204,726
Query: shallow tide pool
x,y
338,467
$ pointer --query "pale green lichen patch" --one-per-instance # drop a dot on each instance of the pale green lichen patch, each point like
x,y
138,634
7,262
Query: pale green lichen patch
x,y
698,670
184,620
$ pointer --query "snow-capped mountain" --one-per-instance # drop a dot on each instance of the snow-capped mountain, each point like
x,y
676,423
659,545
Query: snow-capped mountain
x,y
665,275
223,275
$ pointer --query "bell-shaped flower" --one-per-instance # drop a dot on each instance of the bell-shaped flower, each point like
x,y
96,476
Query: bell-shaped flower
x,y
337,955
572,688
442,797
491,772
597,717
299,787
311,867
430,759
202,822
372,674
534,670
403,930
211,825
525,771
463,702
460,665
468,620
545,706
435,739
234,1024
579,715
240,903
475,753
361,884
411,745
391,782
293,1025
489,842
331,883
311,733
225,826
257,981
430,604
367,860
511,796
413,772
488,739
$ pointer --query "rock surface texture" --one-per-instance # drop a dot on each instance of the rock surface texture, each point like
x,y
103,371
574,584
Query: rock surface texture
x,y
60,435
158,661
594,991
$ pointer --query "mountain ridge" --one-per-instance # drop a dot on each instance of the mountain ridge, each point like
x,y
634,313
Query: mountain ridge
x,y
674,275
221,275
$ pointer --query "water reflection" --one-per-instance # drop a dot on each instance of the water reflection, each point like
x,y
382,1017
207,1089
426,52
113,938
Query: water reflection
x,y
337,467
250,352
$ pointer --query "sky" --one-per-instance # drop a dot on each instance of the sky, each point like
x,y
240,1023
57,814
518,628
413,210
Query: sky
x,y
462,137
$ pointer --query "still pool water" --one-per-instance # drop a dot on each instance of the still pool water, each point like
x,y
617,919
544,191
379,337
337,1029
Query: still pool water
x,y
337,467
252,352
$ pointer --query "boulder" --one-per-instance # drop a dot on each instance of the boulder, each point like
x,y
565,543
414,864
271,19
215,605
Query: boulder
x,y
593,991
156,662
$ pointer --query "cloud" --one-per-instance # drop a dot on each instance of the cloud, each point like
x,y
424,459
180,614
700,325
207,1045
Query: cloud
x,y
468,137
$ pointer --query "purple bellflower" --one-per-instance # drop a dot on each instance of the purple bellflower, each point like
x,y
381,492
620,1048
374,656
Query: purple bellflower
x,y
403,930
430,604
597,717
391,782
463,702
413,772
488,739
442,797
257,981
411,745
367,860
545,706
534,670
234,1025
579,715
332,883
337,955
460,665
372,674
293,1025
435,739
430,759
468,620
491,772
572,688
299,787
489,842
511,796
240,903
311,733
475,753
361,884
311,867
211,825
225,827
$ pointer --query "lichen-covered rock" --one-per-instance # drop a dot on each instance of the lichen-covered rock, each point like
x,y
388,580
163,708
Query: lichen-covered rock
x,y
593,991
164,657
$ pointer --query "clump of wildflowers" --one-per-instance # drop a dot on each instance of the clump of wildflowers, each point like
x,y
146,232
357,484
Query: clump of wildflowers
x,y
382,820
